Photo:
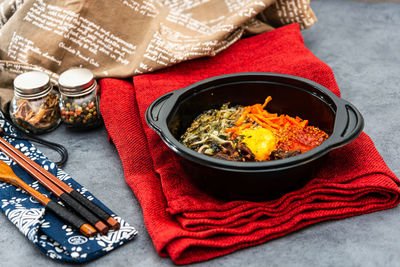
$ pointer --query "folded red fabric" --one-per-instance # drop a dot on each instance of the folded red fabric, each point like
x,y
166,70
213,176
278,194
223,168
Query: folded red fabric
x,y
189,225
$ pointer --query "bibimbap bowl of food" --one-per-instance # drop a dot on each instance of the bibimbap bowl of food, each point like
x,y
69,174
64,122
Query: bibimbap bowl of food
x,y
253,135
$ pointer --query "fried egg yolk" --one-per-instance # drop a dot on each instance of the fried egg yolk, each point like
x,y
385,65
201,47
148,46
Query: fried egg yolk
x,y
260,141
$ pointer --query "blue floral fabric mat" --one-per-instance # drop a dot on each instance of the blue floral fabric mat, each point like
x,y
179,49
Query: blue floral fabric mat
x,y
51,235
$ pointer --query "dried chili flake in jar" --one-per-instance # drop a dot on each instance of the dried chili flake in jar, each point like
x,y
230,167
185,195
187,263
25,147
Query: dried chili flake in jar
x,y
79,102
34,107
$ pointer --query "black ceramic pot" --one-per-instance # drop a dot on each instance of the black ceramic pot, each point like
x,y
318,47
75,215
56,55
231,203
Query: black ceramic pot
x,y
171,114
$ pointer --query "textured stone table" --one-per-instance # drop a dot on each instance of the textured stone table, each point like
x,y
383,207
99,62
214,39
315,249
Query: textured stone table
x,y
361,42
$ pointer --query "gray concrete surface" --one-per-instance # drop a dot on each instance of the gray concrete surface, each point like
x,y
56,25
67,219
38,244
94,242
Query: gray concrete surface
x,y
361,42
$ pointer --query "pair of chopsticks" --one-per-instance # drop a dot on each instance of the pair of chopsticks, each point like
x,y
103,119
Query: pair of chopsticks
x,y
95,216
7,175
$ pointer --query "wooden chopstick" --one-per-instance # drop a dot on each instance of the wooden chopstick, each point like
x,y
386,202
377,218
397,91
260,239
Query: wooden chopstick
x,y
32,168
8,176
70,196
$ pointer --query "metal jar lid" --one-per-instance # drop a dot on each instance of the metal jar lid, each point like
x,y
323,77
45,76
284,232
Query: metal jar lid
x,y
76,82
32,84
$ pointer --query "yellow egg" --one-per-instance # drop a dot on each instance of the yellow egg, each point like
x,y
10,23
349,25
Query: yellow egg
x,y
260,141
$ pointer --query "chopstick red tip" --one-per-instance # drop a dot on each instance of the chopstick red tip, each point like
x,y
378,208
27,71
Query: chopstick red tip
x,y
113,223
103,229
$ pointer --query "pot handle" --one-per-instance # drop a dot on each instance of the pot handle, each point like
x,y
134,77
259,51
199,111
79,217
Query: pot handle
x,y
156,111
155,108
350,123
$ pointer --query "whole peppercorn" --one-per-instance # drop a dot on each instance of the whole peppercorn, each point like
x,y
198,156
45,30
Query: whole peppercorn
x,y
79,101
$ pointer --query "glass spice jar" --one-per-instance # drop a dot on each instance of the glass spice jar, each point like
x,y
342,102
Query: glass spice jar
x,y
79,101
34,107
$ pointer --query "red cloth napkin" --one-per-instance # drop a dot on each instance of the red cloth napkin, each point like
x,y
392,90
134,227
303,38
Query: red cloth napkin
x,y
188,225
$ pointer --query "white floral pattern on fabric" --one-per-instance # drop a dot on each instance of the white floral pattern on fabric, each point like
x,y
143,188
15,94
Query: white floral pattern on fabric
x,y
27,220
113,238
51,235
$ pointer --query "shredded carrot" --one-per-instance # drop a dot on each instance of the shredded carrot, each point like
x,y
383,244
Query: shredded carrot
x,y
259,122
235,130
267,100
269,115
245,126
256,109
267,121
243,116
277,119
231,130
292,120
256,113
